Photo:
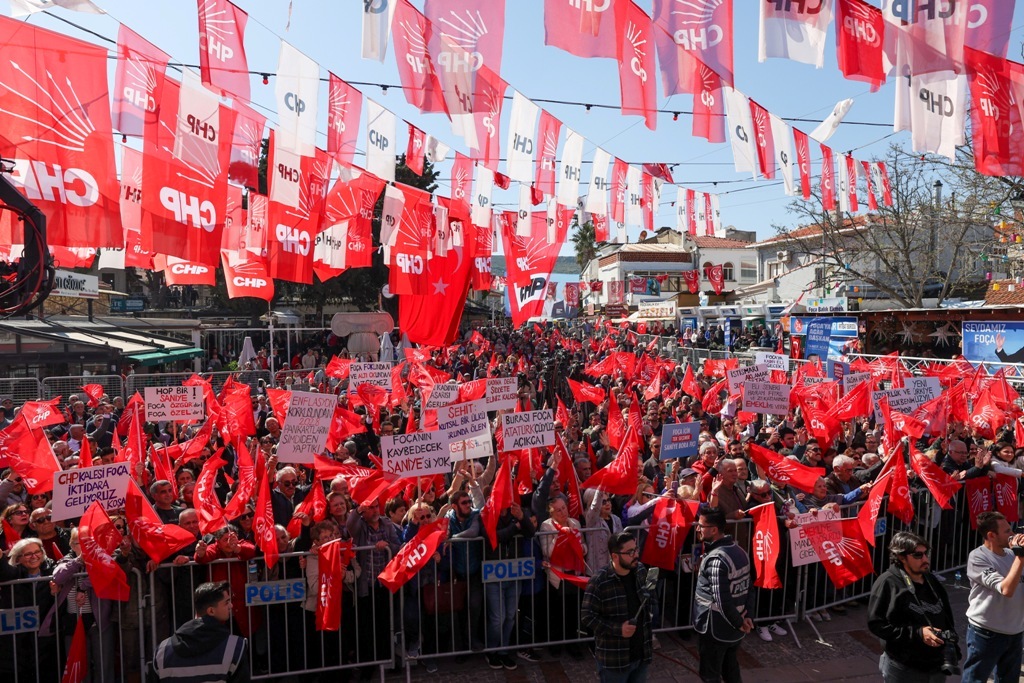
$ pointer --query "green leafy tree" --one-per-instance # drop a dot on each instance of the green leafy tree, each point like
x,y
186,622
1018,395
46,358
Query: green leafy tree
x,y
584,240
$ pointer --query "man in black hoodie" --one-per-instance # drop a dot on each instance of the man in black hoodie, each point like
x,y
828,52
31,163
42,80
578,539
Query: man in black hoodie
x,y
908,609
203,650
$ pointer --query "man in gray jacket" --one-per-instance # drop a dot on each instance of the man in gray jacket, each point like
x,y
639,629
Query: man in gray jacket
x,y
723,601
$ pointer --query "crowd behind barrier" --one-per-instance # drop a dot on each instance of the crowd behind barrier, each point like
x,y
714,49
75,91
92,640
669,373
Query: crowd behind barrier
x,y
472,599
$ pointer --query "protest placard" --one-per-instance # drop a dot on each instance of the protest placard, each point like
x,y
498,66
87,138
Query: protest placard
x,y
766,398
679,440
808,381
924,388
463,420
747,373
377,374
441,395
502,393
174,404
473,448
306,427
902,400
416,454
772,361
75,490
851,380
800,549
531,429
657,310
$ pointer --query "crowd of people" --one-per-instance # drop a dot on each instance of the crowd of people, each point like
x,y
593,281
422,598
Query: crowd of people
x,y
591,585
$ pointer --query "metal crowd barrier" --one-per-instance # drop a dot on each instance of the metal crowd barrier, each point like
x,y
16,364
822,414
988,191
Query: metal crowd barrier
x,y
21,389
65,386
28,653
138,382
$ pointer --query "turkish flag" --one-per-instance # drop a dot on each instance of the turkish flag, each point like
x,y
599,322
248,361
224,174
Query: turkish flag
x,y
98,538
222,59
979,498
499,501
263,522
314,505
585,29
414,555
158,540
76,668
248,278
842,551
716,277
567,552
55,131
635,53
584,392
784,471
139,62
860,34
670,523
208,507
620,477
1004,489
765,546
37,414
332,559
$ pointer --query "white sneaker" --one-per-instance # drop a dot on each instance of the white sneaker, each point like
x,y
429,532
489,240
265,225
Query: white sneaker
x,y
763,634
778,630
815,616
825,615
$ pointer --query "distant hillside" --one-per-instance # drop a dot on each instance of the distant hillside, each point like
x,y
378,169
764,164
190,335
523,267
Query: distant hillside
x,y
565,265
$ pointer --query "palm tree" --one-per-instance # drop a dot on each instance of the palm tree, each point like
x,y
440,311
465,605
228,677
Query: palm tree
x,y
585,243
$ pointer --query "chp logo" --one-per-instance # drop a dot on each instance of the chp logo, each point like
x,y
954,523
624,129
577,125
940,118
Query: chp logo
x,y
699,27
189,269
859,24
763,545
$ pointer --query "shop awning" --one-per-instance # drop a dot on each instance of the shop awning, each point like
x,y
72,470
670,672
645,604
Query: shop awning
x,y
121,341
160,357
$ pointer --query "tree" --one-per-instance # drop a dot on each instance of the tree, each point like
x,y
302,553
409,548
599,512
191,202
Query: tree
x,y
584,240
917,248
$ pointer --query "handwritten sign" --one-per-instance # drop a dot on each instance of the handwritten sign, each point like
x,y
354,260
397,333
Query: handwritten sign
x,y
679,440
174,404
800,548
901,400
306,427
416,454
852,379
502,393
473,448
75,490
530,429
750,373
766,398
377,374
772,361
442,395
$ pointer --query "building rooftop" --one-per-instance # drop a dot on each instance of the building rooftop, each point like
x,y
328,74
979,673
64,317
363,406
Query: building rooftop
x,y
708,242
1004,293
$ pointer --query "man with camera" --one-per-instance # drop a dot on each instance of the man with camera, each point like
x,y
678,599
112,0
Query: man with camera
x,y
995,613
910,612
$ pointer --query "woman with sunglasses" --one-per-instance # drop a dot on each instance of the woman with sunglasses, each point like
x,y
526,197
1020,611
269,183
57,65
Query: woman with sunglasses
x,y
24,657
17,516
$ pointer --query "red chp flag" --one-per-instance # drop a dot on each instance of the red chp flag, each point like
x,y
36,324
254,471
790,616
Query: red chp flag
x,y
784,471
860,37
765,546
828,184
99,538
314,505
158,540
763,139
942,486
995,116
55,131
76,670
38,414
670,524
332,558
34,461
247,278
344,106
620,476
222,59
263,522
586,29
139,63
411,34
803,158
979,498
1004,488
842,551
635,52
500,499
530,260
208,507
414,555
584,392
298,185
246,143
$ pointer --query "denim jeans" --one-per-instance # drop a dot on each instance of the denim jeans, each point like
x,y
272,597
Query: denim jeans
x,y
988,651
895,672
634,673
502,602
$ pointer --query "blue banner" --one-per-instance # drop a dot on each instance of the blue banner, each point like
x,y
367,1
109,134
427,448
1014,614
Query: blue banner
x,y
679,440
994,342
828,337
509,570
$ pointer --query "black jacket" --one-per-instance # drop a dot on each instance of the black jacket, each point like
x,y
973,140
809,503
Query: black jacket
x,y
896,616
202,650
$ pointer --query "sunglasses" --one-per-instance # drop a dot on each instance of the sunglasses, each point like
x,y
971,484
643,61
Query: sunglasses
x,y
248,515
47,518
290,482
119,528
917,554
422,518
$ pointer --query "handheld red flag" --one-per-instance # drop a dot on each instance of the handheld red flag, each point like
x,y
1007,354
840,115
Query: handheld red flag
x,y
979,498
95,393
784,471
98,538
158,540
208,507
263,522
765,546
314,504
76,670
499,500
843,553
620,477
414,555
332,559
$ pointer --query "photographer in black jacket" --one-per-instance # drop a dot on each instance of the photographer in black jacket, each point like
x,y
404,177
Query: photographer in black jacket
x,y
909,610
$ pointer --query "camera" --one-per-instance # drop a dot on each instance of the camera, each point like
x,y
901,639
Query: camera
x,y
950,652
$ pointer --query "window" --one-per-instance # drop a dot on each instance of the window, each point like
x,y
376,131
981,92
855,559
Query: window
x,y
748,271
707,268
774,269
727,272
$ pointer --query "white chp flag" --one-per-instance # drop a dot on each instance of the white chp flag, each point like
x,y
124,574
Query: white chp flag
x,y
741,127
682,222
844,186
377,15
938,112
716,216
391,216
571,169
296,91
444,240
634,214
111,258
199,109
23,8
436,151
285,189
380,141
522,134
482,197
794,30
330,246
830,125
597,193
783,137
523,227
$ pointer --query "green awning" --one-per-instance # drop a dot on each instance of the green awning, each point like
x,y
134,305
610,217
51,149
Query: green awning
x,y
160,357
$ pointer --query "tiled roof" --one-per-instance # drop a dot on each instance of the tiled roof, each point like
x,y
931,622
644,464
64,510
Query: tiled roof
x,y
1009,293
815,229
707,242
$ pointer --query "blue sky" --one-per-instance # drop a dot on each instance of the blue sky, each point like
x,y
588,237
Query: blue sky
x,y
329,32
